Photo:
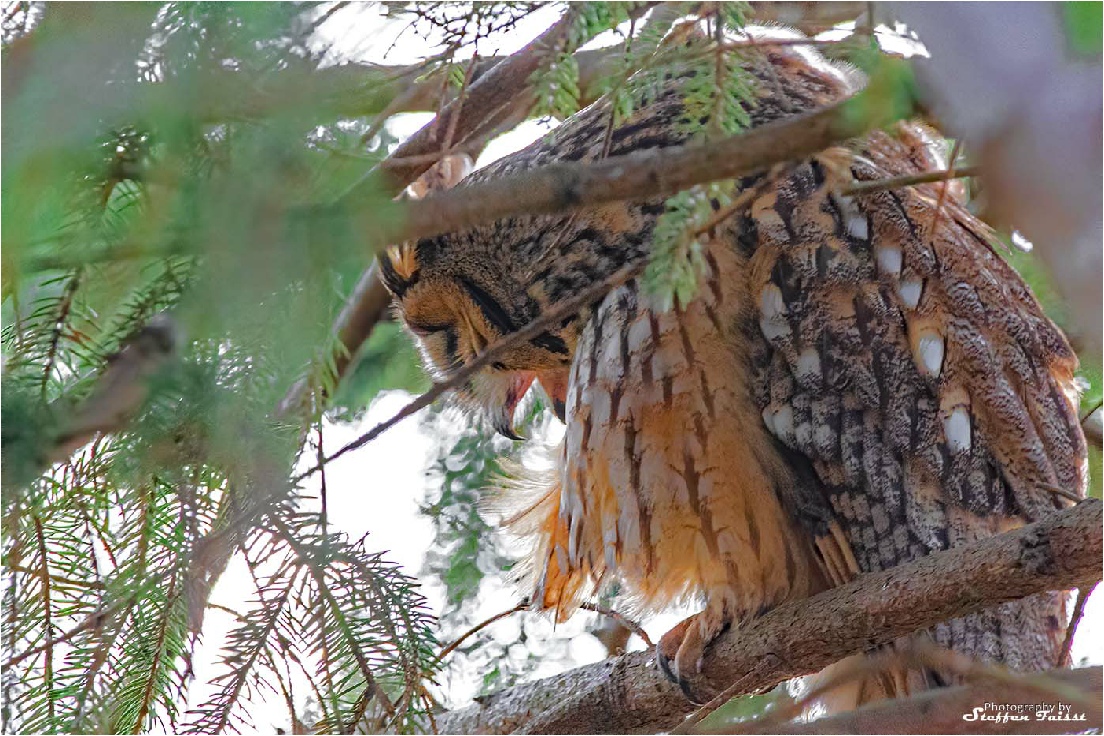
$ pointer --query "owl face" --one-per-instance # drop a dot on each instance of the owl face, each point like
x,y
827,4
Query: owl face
x,y
454,313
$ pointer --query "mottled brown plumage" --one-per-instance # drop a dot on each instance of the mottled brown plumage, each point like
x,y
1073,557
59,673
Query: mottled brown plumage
x,y
858,381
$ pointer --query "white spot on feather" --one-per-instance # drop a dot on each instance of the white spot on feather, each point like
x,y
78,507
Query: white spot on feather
x,y
808,364
910,291
929,352
857,227
889,259
853,218
956,428
771,303
772,310
768,419
783,423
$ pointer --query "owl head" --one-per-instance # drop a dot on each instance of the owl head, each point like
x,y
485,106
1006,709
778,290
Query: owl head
x,y
456,306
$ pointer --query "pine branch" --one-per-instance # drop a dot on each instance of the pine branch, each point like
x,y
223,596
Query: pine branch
x,y
628,694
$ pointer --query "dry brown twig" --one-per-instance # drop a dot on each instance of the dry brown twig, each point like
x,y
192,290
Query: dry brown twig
x,y
878,185
1075,619
563,310
479,627
621,619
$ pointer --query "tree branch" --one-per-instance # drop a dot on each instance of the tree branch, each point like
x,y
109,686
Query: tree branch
x,y
567,187
629,695
942,710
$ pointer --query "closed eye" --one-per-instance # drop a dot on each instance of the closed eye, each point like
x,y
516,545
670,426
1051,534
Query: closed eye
x,y
424,329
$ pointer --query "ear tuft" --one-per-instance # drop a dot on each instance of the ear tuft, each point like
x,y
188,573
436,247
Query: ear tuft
x,y
399,268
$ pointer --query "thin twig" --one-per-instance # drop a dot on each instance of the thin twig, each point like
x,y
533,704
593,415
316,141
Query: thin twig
x,y
479,627
878,185
619,618
1093,427
1066,657
936,216
742,201
47,615
566,308
467,146
461,96
726,695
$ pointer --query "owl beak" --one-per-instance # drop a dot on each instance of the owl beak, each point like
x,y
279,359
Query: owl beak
x,y
555,385
503,419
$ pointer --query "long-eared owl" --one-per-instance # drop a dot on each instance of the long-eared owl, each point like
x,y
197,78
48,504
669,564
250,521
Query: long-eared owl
x,y
858,380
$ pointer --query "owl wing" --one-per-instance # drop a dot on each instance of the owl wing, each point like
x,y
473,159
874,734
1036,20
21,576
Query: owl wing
x,y
909,364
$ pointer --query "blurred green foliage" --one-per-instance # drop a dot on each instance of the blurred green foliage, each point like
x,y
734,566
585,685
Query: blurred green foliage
x,y
1084,26
146,172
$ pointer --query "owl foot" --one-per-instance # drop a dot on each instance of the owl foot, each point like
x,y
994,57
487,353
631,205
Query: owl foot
x,y
681,650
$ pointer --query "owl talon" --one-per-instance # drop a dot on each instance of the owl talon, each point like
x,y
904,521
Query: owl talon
x,y
680,654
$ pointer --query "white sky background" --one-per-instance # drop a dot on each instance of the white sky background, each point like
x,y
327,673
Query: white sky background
x,y
385,504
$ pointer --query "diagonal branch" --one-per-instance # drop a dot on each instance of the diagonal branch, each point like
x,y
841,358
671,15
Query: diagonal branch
x,y
628,694
561,311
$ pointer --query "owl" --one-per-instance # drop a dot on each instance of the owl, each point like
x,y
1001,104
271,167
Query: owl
x,y
857,381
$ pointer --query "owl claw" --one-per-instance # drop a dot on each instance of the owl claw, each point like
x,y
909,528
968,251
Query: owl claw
x,y
680,654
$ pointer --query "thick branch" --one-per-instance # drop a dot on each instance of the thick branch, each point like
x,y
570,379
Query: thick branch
x,y
942,711
628,694
566,187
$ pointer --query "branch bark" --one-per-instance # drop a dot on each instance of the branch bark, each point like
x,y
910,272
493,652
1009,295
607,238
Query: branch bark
x,y
629,694
567,187
942,711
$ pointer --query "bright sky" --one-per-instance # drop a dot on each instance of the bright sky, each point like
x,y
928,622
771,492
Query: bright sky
x,y
385,504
